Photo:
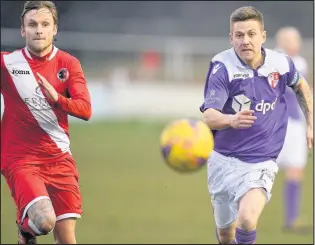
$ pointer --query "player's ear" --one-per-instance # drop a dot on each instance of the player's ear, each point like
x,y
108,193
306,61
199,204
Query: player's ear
x,y
231,37
22,31
55,30
264,35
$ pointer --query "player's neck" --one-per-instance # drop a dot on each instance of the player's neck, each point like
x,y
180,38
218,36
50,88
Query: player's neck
x,y
41,54
257,61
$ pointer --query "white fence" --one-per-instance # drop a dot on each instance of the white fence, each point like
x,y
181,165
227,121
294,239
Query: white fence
x,y
136,43
145,102
180,54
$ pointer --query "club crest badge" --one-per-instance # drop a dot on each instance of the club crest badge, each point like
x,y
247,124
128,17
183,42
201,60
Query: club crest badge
x,y
273,79
63,75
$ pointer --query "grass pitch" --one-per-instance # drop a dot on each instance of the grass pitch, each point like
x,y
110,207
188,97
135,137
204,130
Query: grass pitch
x,y
131,196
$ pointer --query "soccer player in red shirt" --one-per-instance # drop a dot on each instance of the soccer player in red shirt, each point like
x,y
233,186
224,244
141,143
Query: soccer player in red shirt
x,y
41,85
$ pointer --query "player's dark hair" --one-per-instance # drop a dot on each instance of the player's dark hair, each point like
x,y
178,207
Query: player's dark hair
x,y
247,13
30,5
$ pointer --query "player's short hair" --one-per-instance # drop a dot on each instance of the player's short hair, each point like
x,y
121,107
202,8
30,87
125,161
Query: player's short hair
x,y
30,5
247,13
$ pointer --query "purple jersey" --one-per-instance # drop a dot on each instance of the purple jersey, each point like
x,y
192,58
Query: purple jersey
x,y
233,86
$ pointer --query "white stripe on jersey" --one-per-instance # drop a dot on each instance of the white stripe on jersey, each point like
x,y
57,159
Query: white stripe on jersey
x,y
53,53
27,88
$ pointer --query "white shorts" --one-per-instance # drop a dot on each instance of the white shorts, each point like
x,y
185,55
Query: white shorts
x,y
229,179
294,151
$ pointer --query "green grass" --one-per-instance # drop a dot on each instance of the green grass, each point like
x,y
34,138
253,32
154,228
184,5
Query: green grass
x,y
131,196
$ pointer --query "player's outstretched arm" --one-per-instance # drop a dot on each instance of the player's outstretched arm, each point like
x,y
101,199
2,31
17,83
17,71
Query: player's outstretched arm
x,y
305,99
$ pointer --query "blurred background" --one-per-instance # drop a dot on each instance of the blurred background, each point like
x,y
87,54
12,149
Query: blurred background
x,y
146,64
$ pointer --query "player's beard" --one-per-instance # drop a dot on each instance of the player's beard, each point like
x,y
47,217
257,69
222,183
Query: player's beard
x,y
38,49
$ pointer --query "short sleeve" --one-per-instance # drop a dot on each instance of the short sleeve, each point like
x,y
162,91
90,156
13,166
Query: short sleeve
x,y
216,91
293,75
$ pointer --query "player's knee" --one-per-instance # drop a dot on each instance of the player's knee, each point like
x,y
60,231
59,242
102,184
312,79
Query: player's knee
x,y
246,222
247,218
42,216
294,174
250,208
46,224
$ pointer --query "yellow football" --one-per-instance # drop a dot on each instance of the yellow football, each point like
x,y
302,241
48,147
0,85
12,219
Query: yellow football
x,y
186,144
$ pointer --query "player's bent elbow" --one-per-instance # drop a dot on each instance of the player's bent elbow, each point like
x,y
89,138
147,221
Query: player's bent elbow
x,y
87,112
215,120
87,116
84,115
209,117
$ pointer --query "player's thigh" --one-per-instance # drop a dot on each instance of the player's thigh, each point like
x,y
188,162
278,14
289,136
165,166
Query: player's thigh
x,y
251,206
64,232
27,187
225,215
225,212
63,188
254,192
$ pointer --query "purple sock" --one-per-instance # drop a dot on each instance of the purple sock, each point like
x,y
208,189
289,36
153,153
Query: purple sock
x,y
244,237
292,201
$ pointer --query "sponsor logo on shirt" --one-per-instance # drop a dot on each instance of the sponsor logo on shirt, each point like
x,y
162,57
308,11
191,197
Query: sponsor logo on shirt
x,y
241,103
37,102
20,72
265,106
240,75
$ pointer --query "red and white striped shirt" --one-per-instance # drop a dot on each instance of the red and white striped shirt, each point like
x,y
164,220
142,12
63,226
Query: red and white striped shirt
x,y
34,130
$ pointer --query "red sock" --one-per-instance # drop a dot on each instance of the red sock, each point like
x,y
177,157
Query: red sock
x,y
27,228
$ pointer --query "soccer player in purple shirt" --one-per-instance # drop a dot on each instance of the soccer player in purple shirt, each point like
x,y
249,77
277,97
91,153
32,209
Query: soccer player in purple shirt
x,y
245,106
293,156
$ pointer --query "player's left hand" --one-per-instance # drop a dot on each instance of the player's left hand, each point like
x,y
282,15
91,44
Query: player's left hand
x,y
49,90
309,136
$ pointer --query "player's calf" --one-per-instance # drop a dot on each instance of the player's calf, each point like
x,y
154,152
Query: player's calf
x,y
40,220
226,235
64,232
292,194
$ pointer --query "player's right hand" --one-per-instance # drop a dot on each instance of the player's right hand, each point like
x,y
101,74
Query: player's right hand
x,y
243,119
309,136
